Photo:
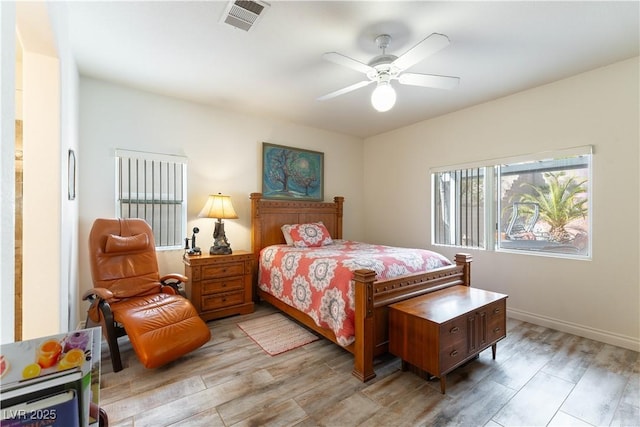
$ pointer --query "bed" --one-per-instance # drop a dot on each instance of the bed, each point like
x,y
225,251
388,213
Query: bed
x,y
371,296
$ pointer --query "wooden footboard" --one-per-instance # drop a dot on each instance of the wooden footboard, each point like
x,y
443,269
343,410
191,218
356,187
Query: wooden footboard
x,y
371,297
372,301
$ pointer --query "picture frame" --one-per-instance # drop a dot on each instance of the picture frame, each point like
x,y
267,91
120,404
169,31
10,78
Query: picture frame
x,y
290,173
71,174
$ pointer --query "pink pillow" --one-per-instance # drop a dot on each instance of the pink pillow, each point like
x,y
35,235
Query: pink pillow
x,y
310,235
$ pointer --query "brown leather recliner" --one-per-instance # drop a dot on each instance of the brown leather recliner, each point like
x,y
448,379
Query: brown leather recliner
x,y
130,298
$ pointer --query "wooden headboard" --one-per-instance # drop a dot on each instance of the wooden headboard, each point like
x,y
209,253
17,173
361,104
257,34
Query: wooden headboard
x,y
267,216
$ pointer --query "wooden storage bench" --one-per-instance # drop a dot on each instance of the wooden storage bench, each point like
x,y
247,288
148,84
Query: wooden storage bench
x,y
439,331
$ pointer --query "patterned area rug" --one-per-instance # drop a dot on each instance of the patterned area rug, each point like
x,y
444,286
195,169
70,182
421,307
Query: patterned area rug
x,y
276,334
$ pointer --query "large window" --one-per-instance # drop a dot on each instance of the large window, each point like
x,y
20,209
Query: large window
x,y
153,187
535,204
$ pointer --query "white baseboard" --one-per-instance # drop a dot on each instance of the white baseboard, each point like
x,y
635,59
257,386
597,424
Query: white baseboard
x,y
623,341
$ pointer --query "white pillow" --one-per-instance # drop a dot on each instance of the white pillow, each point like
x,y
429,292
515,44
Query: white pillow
x,y
287,234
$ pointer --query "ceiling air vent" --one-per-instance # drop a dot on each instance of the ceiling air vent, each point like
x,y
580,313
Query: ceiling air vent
x,y
243,14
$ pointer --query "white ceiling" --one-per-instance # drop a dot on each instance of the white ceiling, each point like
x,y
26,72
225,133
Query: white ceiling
x,y
182,49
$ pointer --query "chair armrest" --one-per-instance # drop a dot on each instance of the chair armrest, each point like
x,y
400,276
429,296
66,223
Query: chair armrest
x,y
174,281
98,298
179,278
101,293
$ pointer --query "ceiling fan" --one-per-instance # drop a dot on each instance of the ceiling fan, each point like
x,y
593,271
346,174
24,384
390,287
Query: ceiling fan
x,y
385,67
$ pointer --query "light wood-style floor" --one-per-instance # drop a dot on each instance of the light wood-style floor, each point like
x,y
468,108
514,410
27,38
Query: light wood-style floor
x,y
540,377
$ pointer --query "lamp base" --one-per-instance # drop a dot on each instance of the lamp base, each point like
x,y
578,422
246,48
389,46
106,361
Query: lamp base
x,y
220,243
220,250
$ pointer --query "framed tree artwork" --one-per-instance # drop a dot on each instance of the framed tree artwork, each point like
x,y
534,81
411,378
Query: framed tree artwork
x,y
292,173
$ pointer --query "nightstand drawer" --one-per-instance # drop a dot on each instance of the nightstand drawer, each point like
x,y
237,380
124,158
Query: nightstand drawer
x,y
225,285
211,302
222,270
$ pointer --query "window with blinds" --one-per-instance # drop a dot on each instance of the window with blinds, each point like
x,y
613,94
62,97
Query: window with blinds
x,y
153,187
538,203
459,207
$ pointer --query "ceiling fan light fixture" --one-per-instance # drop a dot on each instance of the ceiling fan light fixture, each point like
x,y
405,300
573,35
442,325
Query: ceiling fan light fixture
x,y
383,97
384,68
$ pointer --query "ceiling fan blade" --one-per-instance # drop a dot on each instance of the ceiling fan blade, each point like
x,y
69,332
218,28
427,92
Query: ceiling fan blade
x,y
425,48
429,80
345,90
340,59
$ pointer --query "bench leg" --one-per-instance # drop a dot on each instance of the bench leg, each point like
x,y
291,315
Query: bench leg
x,y
493,351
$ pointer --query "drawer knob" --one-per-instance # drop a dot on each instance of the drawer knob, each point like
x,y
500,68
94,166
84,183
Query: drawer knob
x,y
454,353
496,310
496,330
454,330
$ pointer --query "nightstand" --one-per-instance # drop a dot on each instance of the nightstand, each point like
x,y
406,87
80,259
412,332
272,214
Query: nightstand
x,y
220,285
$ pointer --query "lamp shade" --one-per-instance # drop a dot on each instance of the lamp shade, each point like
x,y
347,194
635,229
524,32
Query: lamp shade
x,y
218,206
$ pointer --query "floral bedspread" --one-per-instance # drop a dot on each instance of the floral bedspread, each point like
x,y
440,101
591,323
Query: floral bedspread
x,y
318,280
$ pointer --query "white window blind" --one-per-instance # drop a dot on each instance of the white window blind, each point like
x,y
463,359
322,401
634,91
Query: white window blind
x,y
458,205
153,187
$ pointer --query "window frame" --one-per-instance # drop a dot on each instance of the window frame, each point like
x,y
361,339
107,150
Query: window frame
x,y
492,203
178,199
458,178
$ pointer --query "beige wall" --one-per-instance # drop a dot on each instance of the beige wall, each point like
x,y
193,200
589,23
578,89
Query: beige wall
x,y
597,298
224,155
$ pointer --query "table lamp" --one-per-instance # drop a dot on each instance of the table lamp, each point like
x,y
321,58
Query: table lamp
x,y
220,207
